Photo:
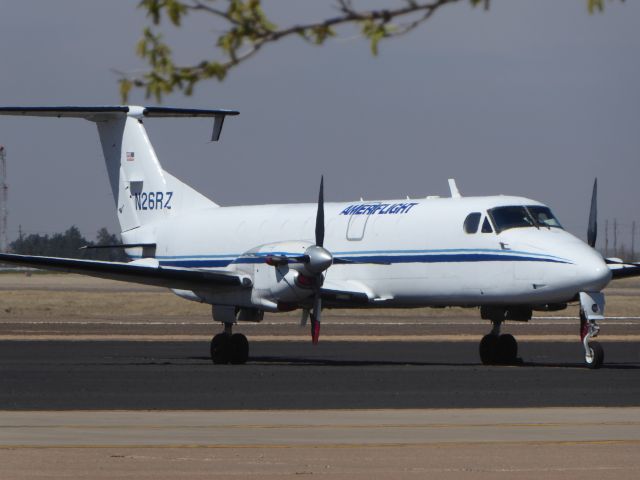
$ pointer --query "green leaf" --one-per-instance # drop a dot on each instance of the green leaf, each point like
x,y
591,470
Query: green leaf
x,y
125,87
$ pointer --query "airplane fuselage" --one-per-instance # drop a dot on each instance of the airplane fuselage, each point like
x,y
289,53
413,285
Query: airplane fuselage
x,y
418,249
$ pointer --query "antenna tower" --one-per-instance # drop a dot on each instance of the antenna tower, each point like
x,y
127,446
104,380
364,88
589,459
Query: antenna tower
x,y
4,195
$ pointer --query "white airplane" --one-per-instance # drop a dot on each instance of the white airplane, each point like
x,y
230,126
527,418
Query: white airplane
x,y
506,255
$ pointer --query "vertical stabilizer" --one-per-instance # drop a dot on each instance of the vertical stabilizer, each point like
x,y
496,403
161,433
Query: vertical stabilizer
x,y
142,190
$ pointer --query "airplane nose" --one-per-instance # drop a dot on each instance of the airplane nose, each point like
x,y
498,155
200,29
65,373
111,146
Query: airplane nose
x,y
594,272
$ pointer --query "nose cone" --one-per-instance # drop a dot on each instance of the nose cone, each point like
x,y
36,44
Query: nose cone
x,y
594,274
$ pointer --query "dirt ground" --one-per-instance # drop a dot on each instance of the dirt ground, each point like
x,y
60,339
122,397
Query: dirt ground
x,y
45,295
64,304
569,443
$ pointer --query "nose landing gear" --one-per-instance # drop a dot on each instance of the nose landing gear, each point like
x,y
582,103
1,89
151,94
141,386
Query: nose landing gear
x,y
591,310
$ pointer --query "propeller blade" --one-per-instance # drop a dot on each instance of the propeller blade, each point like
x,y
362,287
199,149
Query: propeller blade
x,y
304,317
320,215
320,259
315,318
592,230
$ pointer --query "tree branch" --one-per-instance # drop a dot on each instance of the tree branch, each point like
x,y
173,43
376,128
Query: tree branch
x,y
248,30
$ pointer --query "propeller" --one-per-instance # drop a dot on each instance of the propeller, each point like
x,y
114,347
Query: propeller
x,y
317,260
592,230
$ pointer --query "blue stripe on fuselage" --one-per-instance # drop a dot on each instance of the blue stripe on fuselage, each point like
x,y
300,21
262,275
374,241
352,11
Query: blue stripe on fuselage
x,y
201,262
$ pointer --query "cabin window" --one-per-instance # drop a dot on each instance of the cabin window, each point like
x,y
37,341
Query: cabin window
x,y
486,226
472,222
543,216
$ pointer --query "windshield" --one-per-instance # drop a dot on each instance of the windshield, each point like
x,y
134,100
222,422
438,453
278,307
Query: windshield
x,y
543,216
505,218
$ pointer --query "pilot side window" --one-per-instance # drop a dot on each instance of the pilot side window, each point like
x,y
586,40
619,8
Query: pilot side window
x,y
486,226
472,222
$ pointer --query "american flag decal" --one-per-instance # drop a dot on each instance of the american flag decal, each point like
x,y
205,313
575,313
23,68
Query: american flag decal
x,y
131,156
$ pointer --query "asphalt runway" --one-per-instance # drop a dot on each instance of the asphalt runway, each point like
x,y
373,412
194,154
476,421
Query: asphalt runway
x,y
92,375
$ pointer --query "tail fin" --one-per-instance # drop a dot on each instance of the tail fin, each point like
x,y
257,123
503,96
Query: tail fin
x,y
142,190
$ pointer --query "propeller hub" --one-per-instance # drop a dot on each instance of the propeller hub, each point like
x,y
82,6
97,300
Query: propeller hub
x,y
319,259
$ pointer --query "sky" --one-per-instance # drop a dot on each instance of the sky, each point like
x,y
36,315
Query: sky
x,y
533,98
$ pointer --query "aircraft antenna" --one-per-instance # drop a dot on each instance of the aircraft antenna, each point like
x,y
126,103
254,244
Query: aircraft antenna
x,y
4,197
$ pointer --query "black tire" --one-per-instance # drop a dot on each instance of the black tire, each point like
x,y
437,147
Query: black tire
x,y
507,349
239,347
488,349
596,358
220,349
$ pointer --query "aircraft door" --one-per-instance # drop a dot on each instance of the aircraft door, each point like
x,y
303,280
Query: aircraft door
x,y
357,226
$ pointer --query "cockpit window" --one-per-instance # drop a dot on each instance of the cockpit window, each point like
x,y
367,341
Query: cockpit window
x,y
486,226
472,222
543,216
505,218
537,216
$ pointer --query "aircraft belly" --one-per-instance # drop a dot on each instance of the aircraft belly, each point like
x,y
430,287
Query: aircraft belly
x,y
462,283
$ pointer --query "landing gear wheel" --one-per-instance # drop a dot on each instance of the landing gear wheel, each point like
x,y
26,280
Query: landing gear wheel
x,y
507,349
594,356
488,349
227,348
220,351
239,349
498,349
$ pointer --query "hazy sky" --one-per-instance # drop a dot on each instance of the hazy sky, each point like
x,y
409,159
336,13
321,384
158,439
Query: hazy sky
x,y
534,97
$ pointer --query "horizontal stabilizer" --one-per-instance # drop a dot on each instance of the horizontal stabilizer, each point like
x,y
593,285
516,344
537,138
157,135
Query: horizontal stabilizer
x,y
104,112
185,112
68,111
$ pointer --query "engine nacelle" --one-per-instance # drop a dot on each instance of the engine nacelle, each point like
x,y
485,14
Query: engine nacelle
x,y
275,275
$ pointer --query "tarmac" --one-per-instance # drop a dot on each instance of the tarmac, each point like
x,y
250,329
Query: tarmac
x,y
99,375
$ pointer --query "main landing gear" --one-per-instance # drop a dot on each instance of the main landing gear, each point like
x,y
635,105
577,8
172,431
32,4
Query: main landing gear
x,y
498,349
229,347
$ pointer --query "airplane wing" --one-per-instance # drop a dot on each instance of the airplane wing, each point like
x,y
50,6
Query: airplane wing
x,y
620,269
149,273
345,294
